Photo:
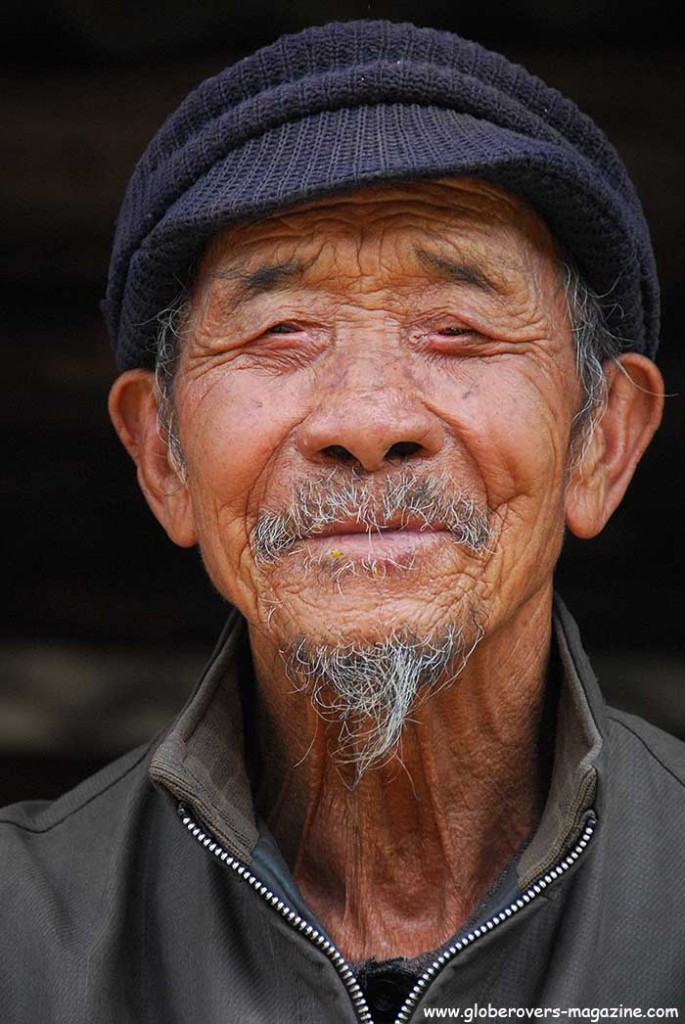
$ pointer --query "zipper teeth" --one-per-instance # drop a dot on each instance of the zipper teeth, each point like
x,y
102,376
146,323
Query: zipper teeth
x,y
290,915
336,957
533,890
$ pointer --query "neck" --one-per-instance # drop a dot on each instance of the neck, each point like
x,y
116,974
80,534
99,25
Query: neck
x,y
394,865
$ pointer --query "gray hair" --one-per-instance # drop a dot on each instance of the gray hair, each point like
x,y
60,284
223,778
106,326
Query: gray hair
x,y
172,322
594,346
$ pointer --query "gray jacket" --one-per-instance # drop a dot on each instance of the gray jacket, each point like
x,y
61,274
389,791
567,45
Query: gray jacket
x,y
149,893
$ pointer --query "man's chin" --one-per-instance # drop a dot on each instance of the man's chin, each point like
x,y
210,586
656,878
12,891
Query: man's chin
x,y
368,607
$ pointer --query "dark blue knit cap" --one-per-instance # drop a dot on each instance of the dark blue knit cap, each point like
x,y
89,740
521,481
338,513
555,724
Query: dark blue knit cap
x,y
340,106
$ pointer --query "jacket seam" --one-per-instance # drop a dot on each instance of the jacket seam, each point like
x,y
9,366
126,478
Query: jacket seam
x,y
649,750
80,807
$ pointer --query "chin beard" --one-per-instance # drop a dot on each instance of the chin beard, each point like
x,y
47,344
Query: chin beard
x,y
371,688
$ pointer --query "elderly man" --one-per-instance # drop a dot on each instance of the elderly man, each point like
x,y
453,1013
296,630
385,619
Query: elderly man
x,y
385,308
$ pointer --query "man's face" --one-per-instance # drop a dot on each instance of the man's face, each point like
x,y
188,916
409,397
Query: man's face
x,y
358,378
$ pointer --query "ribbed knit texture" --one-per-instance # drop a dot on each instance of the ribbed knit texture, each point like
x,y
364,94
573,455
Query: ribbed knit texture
x,y
343,105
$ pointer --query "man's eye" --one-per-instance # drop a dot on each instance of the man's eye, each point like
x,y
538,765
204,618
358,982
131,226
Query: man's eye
x,y
454,332
283,328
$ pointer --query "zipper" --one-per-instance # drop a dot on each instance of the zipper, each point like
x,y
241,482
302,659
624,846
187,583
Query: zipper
x,y
291,916
533,890
344,970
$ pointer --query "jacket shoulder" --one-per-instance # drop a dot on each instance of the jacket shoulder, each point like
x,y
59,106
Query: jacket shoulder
x,y
42,816
666,752
69,845
70,879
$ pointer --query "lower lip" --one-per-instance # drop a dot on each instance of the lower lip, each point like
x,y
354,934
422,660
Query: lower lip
x,y
386,546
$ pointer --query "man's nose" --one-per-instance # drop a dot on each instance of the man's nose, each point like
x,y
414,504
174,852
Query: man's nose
x,y
370,427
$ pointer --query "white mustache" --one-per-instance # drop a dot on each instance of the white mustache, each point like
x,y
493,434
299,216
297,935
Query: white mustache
x,y
390,503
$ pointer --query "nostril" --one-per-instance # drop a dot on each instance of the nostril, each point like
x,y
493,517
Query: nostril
x,y
397,451
339,453
403,449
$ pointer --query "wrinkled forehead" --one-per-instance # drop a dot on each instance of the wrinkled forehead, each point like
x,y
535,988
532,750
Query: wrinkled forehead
x,y
492,226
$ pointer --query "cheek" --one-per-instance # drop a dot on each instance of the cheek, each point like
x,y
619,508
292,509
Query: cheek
x,y
515,427
232,431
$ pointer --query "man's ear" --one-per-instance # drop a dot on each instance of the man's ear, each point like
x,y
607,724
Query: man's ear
x,y
133,409
599,480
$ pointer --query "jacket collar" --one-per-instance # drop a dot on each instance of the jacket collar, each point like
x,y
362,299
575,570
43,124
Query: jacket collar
x,y
578,753
200,761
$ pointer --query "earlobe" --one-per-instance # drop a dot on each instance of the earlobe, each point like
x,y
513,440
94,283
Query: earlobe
x,y
133,410
633,412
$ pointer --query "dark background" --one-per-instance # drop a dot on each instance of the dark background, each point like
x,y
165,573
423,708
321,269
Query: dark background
x,y
107,622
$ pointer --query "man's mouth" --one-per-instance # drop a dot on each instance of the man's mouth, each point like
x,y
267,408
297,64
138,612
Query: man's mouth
x,y
345,546
355,527
401,517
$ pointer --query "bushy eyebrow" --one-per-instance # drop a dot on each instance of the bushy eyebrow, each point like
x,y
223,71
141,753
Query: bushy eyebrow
x,y
458,272
272,276
266,278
